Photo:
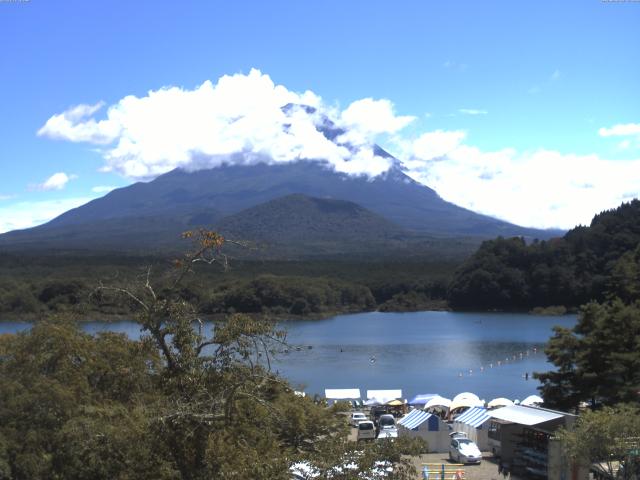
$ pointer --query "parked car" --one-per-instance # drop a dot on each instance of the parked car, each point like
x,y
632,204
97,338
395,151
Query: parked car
x,y
356,418
458,435
386,421
463,450
366,430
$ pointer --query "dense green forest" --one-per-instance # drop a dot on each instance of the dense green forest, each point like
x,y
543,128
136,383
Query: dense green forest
x,y
508,274
55,283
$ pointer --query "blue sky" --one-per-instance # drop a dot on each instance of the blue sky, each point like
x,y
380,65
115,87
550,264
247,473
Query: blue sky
x,y
528,111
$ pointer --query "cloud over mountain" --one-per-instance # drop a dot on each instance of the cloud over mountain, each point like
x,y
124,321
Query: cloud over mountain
x,y
249,119
142,137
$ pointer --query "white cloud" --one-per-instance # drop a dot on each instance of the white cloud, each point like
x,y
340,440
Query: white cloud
x,y
102,189
57,181
6,197
620,130
75,125
543,188
204,127
555,75
430,146
472,111
30,214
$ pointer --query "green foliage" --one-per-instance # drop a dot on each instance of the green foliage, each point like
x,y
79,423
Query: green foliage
x,y
64,283
609,437
598,360
569,271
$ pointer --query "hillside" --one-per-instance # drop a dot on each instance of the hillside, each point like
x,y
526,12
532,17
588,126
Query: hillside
x,y
150,215
581,266
298,223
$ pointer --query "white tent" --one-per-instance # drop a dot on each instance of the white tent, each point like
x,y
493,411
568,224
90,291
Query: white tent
x,y
437,402
475,423
418,423
499,402
465,402
342,394
466,395
532,400
382,396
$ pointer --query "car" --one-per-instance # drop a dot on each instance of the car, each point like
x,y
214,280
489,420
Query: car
x,y
463,450
386,421
366,430
356,418
458,435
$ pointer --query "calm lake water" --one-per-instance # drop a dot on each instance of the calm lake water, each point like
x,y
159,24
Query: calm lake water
x,y
418,352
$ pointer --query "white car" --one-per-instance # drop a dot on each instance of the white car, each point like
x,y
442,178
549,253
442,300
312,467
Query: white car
x,y
356,418
463,450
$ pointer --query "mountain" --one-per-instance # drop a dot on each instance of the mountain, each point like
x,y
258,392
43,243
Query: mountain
x,y
302,225
152,214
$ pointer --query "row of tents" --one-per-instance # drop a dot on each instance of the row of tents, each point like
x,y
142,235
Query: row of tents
x,y
425,401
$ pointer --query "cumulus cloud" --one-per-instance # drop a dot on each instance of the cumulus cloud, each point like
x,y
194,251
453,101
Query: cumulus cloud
x,y
142,137
20,215
621,130
57,181
543,188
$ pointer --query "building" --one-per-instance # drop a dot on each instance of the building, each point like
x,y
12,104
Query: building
x,y
522,436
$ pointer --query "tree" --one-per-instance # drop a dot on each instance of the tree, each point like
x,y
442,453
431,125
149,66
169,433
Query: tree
x,y
608,437
598,360
224,413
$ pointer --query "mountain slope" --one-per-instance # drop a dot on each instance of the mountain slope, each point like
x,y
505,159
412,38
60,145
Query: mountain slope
x,y
179,199
298,218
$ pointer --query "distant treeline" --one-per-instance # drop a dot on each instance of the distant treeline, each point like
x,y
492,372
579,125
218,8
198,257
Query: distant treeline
x,y
508,274
61,283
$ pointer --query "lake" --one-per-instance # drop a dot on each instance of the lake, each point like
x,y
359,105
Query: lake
x,y
419,352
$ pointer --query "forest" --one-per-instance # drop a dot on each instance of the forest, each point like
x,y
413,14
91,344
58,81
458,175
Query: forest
x,y
511,274
56,283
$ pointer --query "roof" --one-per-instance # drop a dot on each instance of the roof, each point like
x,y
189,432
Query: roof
x,y
384,395
414,419
524,415
342,393
474,417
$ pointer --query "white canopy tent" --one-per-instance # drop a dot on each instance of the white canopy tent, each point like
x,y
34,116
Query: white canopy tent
x,y
465,395
342,394
380,397
532,400
438,402
499,402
